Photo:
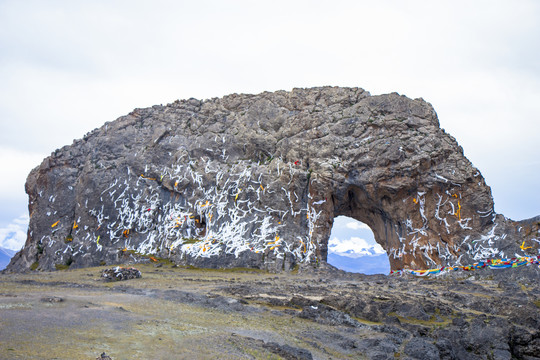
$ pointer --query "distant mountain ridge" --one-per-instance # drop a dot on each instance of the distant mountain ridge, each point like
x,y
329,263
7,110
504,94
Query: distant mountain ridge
x,y
5,257
368,265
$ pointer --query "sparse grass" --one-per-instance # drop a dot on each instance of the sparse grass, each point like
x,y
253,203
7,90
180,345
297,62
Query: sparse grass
x,y
258,354
432,322
234,270
485,296
146,318
366,322
61,266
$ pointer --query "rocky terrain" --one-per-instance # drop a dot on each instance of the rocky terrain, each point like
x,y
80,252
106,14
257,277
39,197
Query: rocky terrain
x,y
188,313
256,181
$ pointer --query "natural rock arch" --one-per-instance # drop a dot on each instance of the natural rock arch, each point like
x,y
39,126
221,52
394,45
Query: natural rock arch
x,y
256,180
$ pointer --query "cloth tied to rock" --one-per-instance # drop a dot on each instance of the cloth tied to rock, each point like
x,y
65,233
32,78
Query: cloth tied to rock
x,y
491,263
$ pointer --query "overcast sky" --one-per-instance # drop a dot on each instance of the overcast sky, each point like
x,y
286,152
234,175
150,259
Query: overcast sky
x,y
66,67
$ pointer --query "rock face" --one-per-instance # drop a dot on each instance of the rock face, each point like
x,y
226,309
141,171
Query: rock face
x,y
256,181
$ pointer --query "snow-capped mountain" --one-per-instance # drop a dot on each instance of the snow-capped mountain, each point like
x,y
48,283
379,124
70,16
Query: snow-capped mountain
x,y
354,247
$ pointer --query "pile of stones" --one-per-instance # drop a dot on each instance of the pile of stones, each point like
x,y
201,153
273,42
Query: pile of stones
x,y
120,274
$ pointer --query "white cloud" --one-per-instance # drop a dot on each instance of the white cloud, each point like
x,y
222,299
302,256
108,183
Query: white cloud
x,y
354,247
16,163
13,236
357,225
477,67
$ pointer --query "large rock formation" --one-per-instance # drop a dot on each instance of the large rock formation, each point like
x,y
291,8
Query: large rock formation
x,y
256,181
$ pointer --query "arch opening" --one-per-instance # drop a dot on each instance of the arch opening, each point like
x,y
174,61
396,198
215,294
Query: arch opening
x,y
352,247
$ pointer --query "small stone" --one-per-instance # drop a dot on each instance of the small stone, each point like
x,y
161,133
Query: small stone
x,y
52,299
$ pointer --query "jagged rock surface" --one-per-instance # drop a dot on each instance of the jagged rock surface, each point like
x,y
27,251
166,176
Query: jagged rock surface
x,y
256,181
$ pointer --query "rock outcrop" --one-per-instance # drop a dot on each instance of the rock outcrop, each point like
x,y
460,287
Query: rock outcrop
x,y
256,181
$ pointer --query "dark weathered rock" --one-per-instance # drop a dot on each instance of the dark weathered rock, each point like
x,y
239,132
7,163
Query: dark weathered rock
x,y
256,181
104,356
326,315
421,349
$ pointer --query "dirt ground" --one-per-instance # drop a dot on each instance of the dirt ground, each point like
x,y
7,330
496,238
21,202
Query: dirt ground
x,y
180,313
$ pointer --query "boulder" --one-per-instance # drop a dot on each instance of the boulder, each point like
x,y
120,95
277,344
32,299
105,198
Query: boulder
x,y
256,181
